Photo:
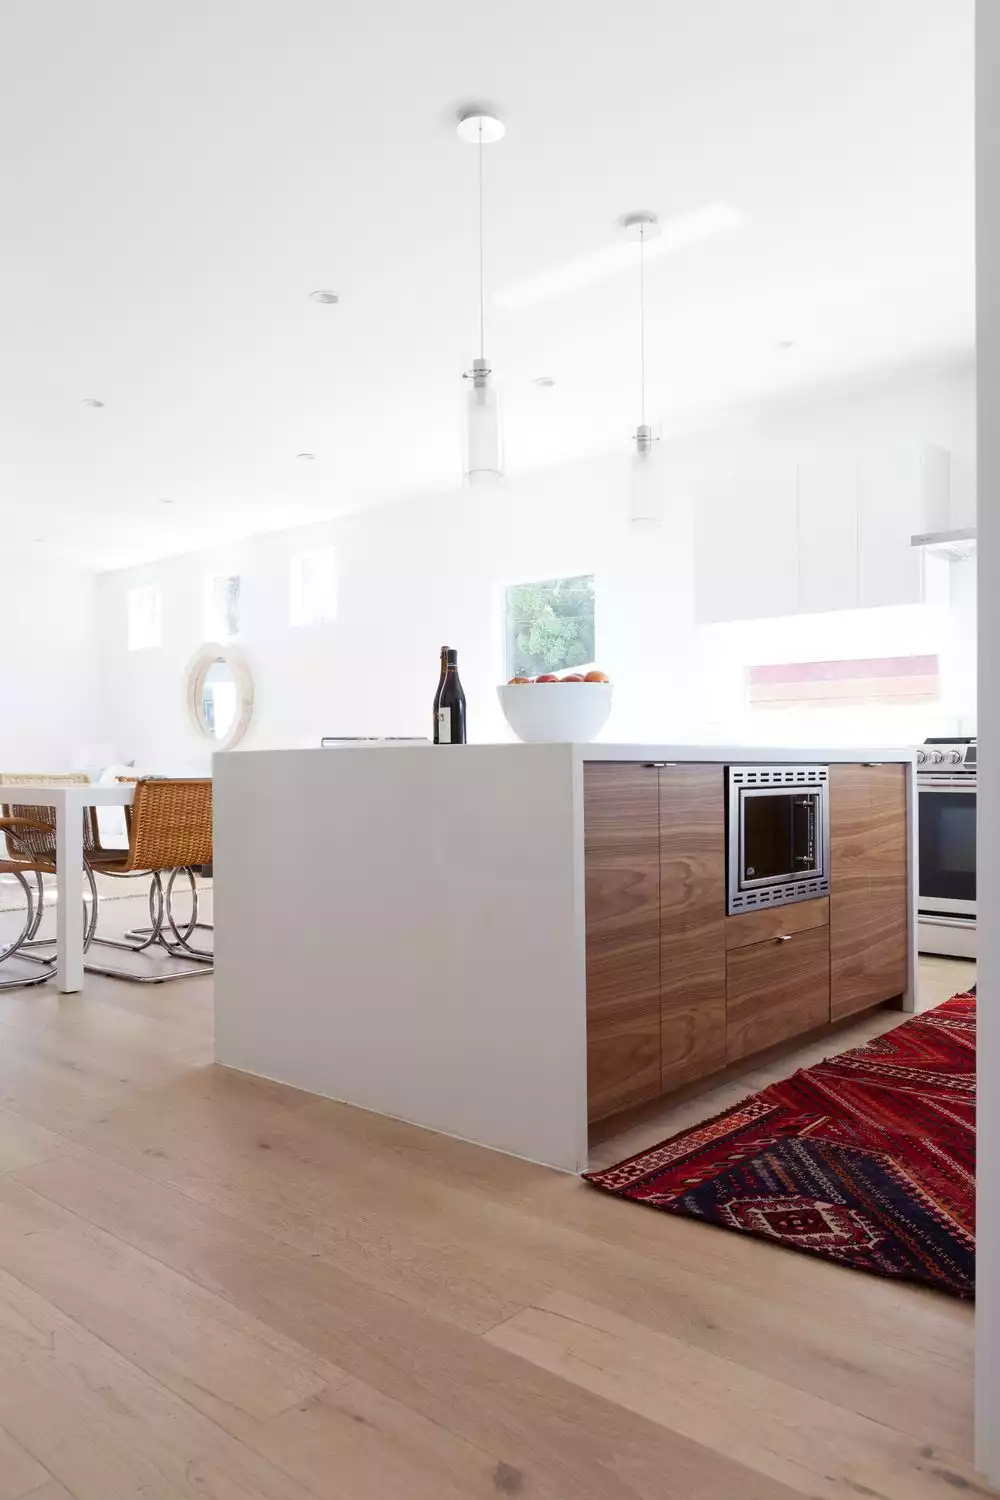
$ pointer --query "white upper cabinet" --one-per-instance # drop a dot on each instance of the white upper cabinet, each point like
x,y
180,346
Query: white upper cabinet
x,y
826,531
746,553
890,511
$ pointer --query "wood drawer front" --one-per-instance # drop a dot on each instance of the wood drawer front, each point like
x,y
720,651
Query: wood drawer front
x,y
776,990
622,886
757,926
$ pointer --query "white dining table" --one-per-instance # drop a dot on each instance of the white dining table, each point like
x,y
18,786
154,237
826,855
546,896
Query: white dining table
x,y
68,803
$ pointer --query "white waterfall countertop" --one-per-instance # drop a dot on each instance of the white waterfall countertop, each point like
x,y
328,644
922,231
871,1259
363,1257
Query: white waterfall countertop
x,y
406,932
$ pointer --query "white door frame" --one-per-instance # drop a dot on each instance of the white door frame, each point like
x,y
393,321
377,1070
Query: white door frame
x,y
987,1383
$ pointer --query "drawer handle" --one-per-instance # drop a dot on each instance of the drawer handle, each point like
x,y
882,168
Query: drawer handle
x,y
783,937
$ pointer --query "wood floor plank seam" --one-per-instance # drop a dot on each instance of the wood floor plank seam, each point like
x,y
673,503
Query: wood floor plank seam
x,y
277,1239
735,1365
639,1367
224,1437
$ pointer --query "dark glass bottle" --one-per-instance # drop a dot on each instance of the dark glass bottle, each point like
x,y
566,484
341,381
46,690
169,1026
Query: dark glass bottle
x,y
449,711
437,695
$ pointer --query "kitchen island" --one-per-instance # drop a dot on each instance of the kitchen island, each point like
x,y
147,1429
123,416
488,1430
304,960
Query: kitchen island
x,y
507,942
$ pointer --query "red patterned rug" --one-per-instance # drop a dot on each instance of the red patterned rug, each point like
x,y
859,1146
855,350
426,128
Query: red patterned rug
x,y
867,1159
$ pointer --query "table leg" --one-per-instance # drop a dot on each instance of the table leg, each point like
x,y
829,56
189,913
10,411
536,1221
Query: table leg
x,y
69,908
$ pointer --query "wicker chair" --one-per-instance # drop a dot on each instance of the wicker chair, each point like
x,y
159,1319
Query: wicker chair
x,y
30,835
169,834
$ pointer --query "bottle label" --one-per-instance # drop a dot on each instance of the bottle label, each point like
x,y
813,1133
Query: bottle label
x,y
444,726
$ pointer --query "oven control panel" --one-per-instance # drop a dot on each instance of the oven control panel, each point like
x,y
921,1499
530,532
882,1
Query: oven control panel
x,y
947,755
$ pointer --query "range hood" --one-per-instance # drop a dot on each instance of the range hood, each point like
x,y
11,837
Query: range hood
x,y
958,545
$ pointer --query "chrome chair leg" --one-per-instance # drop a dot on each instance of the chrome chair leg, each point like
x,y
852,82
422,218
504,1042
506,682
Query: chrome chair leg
x,y
154,936
183,939
14,948
89,922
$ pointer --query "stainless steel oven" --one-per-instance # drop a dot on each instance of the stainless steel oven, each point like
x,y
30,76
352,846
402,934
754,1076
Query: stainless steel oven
x,y
778,834
946,789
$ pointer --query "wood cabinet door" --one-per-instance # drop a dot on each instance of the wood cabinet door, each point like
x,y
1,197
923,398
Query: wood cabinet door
x,y
869,906
692,922
776,990
622,885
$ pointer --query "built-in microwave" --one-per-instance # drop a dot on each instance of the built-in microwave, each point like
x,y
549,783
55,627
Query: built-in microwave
x,y
778,835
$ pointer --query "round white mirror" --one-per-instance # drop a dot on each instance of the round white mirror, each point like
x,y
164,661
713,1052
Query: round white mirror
x,y
219,690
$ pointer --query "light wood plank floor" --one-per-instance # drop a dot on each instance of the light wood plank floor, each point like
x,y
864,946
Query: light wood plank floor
x,y
214,1286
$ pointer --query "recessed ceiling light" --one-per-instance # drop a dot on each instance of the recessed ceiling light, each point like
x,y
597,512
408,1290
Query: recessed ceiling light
x,y
545,381
784,345
91,401
673,234
324,296
305,455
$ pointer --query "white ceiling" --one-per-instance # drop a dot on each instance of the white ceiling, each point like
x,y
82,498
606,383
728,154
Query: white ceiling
x,y
177,178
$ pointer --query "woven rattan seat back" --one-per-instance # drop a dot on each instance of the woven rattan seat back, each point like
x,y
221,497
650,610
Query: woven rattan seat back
x,y
37,841
170,824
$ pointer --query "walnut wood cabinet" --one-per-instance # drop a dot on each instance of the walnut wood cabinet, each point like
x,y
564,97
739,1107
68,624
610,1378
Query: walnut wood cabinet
x,y
622,884
692,923
655,903
676,989
869,907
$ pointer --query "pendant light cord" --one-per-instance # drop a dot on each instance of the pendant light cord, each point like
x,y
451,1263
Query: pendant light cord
x,y
482,299
642,321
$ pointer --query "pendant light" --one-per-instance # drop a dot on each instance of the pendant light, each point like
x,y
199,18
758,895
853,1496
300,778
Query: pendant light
x,y
483,453
646,484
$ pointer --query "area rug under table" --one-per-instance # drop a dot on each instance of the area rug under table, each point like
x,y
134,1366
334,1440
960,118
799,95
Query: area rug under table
x,y
867,1159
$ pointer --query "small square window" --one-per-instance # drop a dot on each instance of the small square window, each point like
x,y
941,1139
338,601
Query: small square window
x,y
145,618
222,606
314,587
549,626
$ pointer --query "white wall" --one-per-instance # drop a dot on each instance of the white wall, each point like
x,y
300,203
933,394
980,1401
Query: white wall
x,y
415,576
48,667
988,868
429,570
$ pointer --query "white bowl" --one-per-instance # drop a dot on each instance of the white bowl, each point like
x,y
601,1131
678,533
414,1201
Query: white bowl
x,y
555,712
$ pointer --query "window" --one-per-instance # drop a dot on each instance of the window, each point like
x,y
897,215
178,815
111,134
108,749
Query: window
x,y
314,587
222,606
145,618
549,626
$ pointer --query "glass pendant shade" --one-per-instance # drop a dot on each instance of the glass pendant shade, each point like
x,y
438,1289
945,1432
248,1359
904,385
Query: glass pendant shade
x,y
646,482
483,450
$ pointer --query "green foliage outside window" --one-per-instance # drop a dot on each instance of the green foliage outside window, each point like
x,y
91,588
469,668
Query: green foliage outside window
x,y
550,625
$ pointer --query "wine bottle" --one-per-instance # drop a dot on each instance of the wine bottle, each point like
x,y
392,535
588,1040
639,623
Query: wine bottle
x,y
449,714
437,695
